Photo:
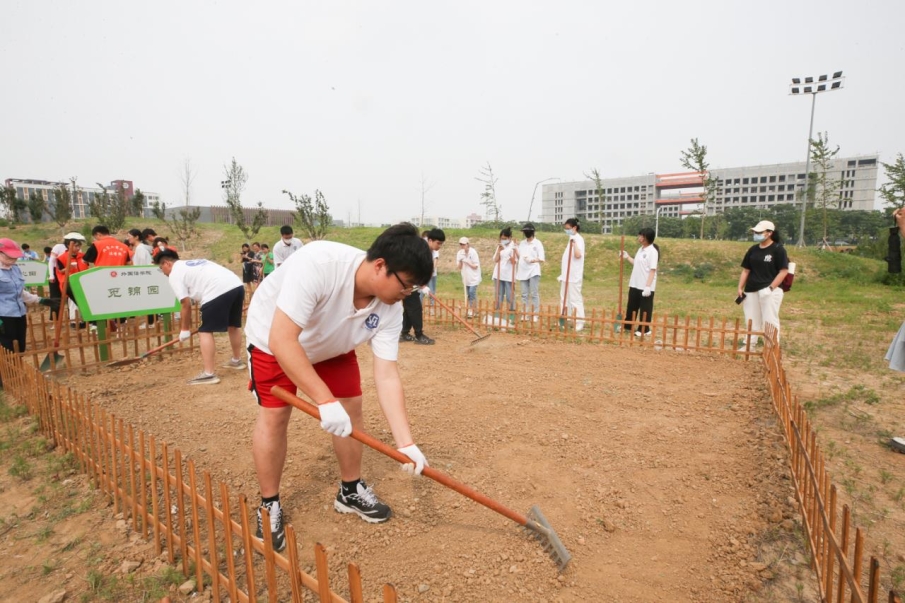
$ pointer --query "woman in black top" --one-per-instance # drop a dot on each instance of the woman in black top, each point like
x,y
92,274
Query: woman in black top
x,y
763,269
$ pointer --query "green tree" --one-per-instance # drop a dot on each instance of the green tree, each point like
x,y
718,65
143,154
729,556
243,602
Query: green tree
x,y
827,186
893,191
137,204
601,198
12,203
695,159
109,210
233,187
488,197
35,206
312,217
182,223
60,208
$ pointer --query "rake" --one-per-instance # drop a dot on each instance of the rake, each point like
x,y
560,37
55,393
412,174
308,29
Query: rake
x,y
54,359
150,352
534,522
460,319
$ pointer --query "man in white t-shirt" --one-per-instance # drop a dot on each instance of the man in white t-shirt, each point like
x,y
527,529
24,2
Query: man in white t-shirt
x,y
220,294
643,282
531,256
470,267
304,323
286,246
573,266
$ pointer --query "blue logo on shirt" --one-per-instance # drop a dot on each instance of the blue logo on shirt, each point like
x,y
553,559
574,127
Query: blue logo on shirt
x,y
372,321
196,262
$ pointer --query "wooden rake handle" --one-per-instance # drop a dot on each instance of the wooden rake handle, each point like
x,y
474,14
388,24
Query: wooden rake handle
x,y
565,292
438,476
150,352
453,312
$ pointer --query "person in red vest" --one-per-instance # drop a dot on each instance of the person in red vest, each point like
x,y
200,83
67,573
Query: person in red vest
x,y
77,263
106,250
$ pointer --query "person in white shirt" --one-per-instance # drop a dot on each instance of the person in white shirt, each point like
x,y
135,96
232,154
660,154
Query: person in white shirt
x,y
142,253
304,323
220,294
286,246
531,256
643,282
470,267
573,266
505,259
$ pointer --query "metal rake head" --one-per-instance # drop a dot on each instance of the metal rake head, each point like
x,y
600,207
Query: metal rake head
x,y
538,527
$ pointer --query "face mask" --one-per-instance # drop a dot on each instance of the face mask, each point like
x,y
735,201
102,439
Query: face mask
x,y
568,231
759,236
505,242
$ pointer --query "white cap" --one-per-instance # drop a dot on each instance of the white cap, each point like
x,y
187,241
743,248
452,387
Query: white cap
x,y
463,241
764,225
75,236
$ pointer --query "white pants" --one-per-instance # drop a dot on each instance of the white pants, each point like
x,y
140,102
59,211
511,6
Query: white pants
x,y
575,302
762,307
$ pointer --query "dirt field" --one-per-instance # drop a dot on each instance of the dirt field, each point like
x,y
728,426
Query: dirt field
x,y
662,472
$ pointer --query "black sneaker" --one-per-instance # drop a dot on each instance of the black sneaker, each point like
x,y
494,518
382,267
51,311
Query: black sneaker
x,y
363,502
277,532
406,337
424,340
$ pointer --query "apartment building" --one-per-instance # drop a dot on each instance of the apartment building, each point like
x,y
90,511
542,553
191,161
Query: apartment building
x,y
81,196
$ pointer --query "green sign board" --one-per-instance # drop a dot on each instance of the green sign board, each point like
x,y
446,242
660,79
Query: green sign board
x,y
35,272
122,291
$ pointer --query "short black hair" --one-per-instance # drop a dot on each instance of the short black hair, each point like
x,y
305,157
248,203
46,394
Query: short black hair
x,y
436,234
265,246
25,246
403,250
148,232
135,233
573,222
165,254
100,229
48,249
285,230
506,232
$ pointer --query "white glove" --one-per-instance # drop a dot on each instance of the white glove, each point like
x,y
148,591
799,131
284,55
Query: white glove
x,y
624,254
335,419
646,292
183,335
425,290
419,461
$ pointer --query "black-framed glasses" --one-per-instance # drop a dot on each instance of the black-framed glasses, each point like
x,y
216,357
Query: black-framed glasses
x,y
407,289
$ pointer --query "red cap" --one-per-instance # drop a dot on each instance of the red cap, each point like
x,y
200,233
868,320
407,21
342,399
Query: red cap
x,y
10,248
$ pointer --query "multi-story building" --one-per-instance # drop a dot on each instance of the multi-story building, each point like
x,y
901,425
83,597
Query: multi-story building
x,y
81,195
680,194
437,222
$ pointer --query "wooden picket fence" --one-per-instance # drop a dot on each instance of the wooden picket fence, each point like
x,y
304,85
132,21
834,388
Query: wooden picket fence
x,y
719,336
147,484
836,550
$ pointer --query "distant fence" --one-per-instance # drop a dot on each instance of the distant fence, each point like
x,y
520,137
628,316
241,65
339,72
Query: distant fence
x,y
146,482
719,336
831,544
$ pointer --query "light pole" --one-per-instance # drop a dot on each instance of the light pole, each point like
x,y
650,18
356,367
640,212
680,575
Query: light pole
x,y
657,221
823,83
530,207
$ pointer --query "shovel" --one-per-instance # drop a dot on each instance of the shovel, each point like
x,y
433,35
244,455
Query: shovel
x,y
460,319
617,326
565,292
534,523
151,352
54,359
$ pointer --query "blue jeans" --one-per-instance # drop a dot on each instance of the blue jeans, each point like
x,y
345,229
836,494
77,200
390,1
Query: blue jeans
x,y
505,288
432,285
531,292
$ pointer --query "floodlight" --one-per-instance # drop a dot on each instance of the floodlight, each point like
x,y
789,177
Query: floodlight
x,y
837,75
795,90
808,80
822,78
796,80
836,85
821,88
807,90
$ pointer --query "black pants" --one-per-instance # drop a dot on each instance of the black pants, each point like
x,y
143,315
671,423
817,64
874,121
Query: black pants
x,y
13,330
55,293
638,304
411,314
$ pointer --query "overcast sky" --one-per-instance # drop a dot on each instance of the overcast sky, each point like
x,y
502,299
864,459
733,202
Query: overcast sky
x,y
362,99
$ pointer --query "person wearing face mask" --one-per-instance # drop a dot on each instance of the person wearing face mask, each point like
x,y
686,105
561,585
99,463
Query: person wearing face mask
x,y
531,256
505,259
13,297
764,267
286,246
573,266
643,282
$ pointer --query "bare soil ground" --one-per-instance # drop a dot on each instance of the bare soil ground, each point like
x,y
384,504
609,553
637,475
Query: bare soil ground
x,y
663,473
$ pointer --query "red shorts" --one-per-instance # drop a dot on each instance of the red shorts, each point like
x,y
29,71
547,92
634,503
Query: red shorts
x,y
341,374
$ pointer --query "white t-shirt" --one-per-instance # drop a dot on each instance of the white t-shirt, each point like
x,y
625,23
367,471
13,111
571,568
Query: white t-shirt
x,y
141,256
529,250
201,280
576,272
471,277
55,252
436,256
505,265
316,290
645,260
282,251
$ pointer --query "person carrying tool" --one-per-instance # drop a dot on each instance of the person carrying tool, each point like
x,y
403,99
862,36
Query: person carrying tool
x,y
469,266
505,258
304,323
643,282
572,273
531,256
220,294
413,311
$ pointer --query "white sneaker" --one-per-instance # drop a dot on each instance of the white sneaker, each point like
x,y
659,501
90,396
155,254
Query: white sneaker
x,y
204,379
234,363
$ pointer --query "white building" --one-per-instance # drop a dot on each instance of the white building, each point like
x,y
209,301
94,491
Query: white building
x,y
437,222
81,196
